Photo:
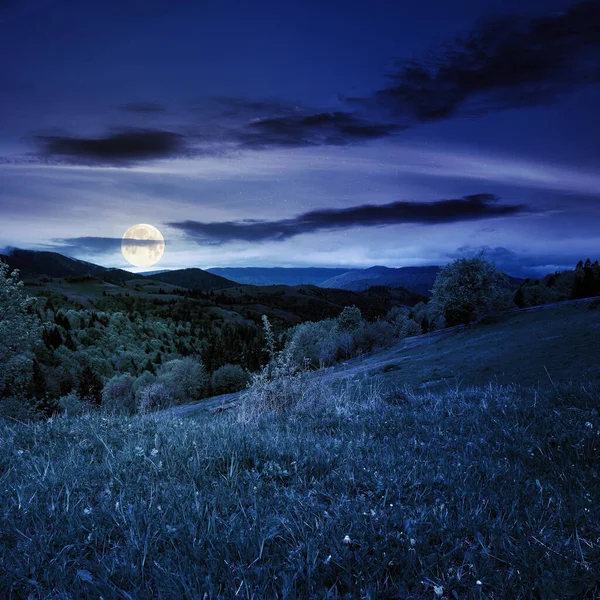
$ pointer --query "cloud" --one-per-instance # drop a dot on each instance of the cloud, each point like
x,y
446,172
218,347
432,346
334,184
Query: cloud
x,y
318,129
127,146
96,245
143,107
132,146
468,208
509,62
521,264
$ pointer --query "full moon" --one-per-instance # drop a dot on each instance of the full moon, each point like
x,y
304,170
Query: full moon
x,y
143,245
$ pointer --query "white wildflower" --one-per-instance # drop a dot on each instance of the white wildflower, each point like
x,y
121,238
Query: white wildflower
x,y
478,582
347,540
19,451
139,451
154,451
438,589
589,425
87,510
412,541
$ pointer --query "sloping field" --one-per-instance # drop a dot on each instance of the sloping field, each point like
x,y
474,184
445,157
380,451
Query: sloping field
x,y
561,343
531,347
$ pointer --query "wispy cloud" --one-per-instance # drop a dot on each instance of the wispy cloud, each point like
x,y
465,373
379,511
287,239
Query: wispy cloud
x,y
469,208
97,245
508,62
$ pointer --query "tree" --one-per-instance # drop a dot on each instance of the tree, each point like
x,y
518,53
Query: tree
x,y
350,318
466,289
185,378
90,385
229,378
519,298
19,327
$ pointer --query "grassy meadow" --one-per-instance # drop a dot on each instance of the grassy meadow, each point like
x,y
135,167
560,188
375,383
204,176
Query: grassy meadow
x,y
489,492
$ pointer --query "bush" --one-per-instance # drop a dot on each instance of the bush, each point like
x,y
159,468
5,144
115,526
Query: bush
x,y
467,289
319,342
153,396
118,396
72,405
185,379
279,386
350,318
229,378
409,328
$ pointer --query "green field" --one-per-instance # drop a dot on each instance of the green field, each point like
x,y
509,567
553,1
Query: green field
x,y
562,340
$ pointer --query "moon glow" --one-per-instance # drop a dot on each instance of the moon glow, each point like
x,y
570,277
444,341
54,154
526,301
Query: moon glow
x,y
143,245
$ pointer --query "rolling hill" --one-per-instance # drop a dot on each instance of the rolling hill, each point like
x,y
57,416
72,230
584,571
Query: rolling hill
x,y
417,279
193,279
33,263
278,275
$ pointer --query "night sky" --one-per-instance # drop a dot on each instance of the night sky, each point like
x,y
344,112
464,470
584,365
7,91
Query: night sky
x,y
303,133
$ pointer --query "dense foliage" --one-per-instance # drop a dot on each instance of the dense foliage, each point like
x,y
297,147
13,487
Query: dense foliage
x,y
468,288
582,282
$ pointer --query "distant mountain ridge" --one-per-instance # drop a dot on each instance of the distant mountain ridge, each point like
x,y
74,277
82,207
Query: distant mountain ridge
x,y
193,279
279,275
417,279
34,263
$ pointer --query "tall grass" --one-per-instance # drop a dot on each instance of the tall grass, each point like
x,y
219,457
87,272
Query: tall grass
x,y
478,493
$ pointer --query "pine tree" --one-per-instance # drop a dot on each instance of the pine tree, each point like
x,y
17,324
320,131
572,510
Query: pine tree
x,y
38,381
519,298
90,385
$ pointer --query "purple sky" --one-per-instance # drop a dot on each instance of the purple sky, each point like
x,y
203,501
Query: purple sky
x,y
303,133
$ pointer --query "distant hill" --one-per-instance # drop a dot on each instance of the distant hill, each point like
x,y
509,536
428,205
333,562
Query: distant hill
x,y
193,279
415,279
33,263
278,275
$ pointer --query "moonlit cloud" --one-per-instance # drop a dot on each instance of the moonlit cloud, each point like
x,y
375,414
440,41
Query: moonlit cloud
x,y
242,160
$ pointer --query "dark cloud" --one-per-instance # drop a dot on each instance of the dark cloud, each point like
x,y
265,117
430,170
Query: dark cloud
x,y
318,129
143,107
96,245
520,264
122,147
136,145
475,207
505,63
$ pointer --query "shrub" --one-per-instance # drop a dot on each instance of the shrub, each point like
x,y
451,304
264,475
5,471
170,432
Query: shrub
x,y
118,396
280,384
318,342
466,289
185,379
350,318
153,396
72,405
409,328
229,378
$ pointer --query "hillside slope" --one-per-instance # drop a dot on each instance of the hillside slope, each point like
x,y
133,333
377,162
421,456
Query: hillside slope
x,y
417,279
278,275
193,279
531,347
33,263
